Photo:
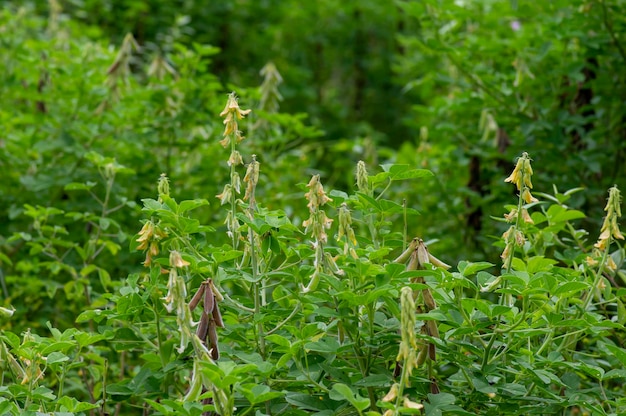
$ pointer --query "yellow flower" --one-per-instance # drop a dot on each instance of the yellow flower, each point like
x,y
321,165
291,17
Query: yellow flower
x,y
521,177
511,216
231,114
412,405
610,227
591,262
232,107
526,217
527,197
391,394
515,177
176,260
145,234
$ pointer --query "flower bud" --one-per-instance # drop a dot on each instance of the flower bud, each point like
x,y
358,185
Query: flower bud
x,y
362,178
163,187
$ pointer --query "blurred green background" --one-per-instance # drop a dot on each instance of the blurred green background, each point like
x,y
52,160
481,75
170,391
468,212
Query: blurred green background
x,y
458,87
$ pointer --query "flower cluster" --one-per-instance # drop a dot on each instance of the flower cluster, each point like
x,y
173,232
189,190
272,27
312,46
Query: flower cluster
x,y
232,135
610,228
176,298
514,237
149,237
521,178
345,230
316,225
318,222
232,113
609,232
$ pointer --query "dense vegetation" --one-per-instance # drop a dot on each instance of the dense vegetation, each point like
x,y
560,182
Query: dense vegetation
x,y
405,208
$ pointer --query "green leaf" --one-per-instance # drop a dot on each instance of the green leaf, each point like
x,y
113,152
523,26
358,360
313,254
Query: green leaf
x,y
619,353
120,389
86,271
188,205
56,357
592,370
314,402
76,186
539,264
400,172
279,340
151,205
43,393
342,392
468,268
615,373
224,256
324,345
374,380
58,346
96,314
257,393
166,410
188,225
570,288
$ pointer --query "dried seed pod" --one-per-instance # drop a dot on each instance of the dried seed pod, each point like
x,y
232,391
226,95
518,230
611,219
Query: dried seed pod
x,y
429,300
434,387
413,262
203,325
407,253
196,298
217,316
422,254
437,263
432,352
431,328
209,301
216,293
212,341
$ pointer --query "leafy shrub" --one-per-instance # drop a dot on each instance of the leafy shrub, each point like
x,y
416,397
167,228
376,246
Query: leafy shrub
x,y
276,297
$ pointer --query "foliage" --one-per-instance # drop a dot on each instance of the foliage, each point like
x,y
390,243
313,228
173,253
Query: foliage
x,y
269,286
459,87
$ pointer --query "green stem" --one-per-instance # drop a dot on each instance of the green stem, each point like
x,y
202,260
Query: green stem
x,y
233,194
283,322
157,322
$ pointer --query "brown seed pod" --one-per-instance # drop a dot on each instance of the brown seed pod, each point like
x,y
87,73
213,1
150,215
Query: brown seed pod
x,y
432,352
413,262
216,293
429,300
209,301
196,298
407,253
217,316
203,326
212,341
431,328
434,387
422,254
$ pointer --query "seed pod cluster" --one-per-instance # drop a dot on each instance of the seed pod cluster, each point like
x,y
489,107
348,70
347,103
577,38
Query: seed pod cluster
x,y
211,318
417,257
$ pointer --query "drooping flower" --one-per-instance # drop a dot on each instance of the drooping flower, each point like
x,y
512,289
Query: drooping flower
x,y
610,226
232,113
520,177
